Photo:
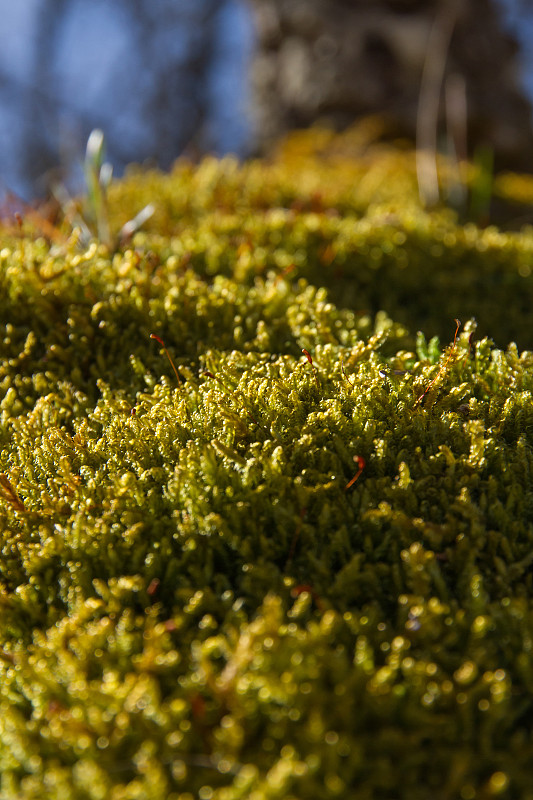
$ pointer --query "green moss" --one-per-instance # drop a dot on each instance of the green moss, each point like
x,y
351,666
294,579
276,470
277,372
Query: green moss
x,y
198,599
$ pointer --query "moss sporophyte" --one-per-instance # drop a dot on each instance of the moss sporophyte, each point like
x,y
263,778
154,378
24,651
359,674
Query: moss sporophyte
x,y
295,559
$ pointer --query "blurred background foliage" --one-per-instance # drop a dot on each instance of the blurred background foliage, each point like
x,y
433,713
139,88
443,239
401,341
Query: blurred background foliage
x,y
173,77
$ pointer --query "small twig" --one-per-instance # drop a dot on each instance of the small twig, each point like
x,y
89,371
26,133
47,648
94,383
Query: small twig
x,y
429,101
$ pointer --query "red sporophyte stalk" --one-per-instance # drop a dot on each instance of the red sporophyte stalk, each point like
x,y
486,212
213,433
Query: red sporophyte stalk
x,y
285,273
8,492
161,342
197,707
296,591
361,463
308,357
442,370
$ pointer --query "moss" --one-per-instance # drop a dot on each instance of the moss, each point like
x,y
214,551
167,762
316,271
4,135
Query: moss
x,y
305,570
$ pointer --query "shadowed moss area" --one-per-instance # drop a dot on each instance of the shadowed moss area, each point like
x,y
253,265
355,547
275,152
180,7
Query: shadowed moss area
x,y
304,570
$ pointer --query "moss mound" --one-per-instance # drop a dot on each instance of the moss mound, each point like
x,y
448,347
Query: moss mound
x,y
303,568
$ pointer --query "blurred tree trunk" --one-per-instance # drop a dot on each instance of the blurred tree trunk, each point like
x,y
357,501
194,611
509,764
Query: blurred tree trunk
x,y
423,64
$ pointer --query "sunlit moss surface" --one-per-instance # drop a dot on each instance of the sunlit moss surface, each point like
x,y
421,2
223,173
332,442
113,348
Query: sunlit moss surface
x,y
292,575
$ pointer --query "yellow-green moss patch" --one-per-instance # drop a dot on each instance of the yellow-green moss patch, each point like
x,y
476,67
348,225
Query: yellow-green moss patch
x,y
305,571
